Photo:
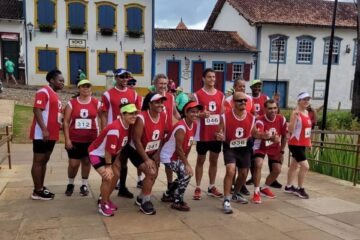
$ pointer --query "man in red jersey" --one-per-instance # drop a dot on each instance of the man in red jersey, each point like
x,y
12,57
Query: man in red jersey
x,y
239,86
258,98
45,131
274,124
111,101
213,102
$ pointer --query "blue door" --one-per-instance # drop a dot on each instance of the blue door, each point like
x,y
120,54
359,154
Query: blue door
x,y
269,89
77,61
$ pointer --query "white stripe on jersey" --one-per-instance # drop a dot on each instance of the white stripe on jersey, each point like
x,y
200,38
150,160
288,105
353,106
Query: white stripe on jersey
x,y
45,115
100,151
110,112
169,147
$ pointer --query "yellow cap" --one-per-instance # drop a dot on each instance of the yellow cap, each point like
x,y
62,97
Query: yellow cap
x,y
129,108
84,81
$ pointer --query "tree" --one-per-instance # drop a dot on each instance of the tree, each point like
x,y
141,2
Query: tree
x,y
355,109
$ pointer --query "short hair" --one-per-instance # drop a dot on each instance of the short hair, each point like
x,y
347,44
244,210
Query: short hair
x,y
158,76
52,74
207,70
269,101
238,80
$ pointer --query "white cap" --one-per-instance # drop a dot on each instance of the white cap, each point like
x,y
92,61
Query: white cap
x,y
303,95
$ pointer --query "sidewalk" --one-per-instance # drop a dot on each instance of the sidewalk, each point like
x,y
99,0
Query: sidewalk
x,y
332,212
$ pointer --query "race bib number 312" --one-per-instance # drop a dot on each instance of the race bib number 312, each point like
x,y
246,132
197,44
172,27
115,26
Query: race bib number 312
x,y
82,123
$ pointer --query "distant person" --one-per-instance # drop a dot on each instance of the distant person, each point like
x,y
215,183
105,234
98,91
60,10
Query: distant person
x,y
171,85
81,75
181,98
10,67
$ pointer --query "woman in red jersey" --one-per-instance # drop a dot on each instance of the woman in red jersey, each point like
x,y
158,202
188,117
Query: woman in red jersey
x,y
300,138
103,152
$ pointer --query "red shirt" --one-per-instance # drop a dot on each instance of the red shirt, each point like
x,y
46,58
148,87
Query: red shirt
x,y
276,127
214,104
229,104
259,104
302,132
238,131
169,110
168,151
84,126
114,97
112,139
153,133
48,101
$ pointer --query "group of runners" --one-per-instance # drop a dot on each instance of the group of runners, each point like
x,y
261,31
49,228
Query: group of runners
x,y
153,130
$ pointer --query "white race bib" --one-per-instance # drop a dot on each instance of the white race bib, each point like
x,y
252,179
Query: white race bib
x,y
307,132
213,119
238,143
268,143
81,123
152,146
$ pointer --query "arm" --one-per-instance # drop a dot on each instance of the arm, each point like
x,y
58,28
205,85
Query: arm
x,y
39,119
103,118
67,118
136,137
219,135
179,138
293,118
175,111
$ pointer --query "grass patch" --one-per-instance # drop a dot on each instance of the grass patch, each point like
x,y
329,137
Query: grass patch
x,y
23,116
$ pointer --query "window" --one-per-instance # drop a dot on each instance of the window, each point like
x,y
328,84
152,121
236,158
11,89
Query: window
x,y
278,42
45,13
319,89
336,50
355,52
77,14
219,67
107,60
135,63
134,18
106,15
46,59
305,49
238,71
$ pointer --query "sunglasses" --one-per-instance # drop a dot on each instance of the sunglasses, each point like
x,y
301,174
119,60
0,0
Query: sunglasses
x,y
241,100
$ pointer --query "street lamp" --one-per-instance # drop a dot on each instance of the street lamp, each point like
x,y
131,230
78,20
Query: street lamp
x,y
278,43
30,28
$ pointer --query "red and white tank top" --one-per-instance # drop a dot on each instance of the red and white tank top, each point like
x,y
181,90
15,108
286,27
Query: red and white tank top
x,y
84,126
259,104
302,131
238,130
169,107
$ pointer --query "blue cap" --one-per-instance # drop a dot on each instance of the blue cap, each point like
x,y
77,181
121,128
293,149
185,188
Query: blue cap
x,y
121,71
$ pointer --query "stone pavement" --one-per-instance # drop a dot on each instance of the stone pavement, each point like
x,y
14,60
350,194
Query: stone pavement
x,y
332,212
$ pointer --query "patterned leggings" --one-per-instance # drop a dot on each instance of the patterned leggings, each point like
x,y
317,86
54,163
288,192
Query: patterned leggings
x,y
183,180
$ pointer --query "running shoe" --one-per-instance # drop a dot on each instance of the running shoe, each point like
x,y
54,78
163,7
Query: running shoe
x,y
276,184
239,198
227,207
51,194
197,194
147,208
69,190
181,206
244,190
124,192
139,184
256,198
300,192
105,210
290,189
267,192
214,192
42,195
167,197
112,206
138,201
84,190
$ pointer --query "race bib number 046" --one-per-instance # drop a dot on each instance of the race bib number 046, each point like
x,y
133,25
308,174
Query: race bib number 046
x,y
151,146
82,123
238,143
213,120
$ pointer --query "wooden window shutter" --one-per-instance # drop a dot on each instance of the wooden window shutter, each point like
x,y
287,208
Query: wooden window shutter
x,y
247,68
229,71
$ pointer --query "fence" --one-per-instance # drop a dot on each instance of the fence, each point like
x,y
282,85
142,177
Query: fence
x,y
5,138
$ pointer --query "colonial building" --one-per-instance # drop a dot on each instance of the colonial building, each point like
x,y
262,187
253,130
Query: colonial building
x,y
183,54
94,36
300,32
12,37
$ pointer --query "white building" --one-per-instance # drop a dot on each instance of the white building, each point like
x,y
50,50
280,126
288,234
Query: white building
x,y
304,28
95,36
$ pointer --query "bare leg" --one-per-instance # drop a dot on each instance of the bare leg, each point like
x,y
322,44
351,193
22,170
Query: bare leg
x,y
292,172
275,172
228,179
213,167
304,168
199,168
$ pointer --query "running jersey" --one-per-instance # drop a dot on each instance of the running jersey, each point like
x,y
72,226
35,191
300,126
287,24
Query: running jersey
x,y
153,132
229,104
276,127
114,97
213,103
168,151
169,110
302,131
238,131
112,139
48,101
259,104
84,126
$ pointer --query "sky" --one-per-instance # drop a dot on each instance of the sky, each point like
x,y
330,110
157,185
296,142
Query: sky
x,y
194,13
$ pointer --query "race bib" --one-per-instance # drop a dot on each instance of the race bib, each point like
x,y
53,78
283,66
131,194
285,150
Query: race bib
x,y
307,132
268,143
152,146
213,119
238,143
81,123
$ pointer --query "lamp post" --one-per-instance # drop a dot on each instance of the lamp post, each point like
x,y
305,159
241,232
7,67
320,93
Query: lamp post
x,y
278,42
30,28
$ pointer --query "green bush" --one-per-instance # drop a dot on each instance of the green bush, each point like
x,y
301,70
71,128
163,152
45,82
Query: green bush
x,y
338,120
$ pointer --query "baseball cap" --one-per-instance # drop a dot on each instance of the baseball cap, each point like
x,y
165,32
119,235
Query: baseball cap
x,y
192,104
121,71
255,81
83,82
179,89
131,82
129,108
303,95
157,97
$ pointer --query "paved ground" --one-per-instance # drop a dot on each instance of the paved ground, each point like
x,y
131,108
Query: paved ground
x,y
332,212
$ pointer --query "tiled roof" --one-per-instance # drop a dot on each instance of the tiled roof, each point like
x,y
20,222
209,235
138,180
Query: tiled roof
x,y
11,9
200,40
316,13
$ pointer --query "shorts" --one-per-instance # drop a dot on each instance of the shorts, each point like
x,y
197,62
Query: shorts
x,y
79,150
298,152
271,159
41,146
98,162
212,146
240,156
134,156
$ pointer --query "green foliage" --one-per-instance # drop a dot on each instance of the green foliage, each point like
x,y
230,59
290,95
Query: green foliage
x,y
22,121
339,120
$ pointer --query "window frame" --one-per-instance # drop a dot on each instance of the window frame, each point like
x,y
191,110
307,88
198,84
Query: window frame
x,y
36,14
314,85
105,3
233,70
85,3
272,38
98,52
327,39
308,38
37,63
134,5
142,62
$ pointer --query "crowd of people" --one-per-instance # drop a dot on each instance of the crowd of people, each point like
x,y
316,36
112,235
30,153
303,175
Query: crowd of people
x,y
161,129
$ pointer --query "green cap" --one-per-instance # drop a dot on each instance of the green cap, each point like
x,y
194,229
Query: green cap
x,y
255,81
129,108
83,82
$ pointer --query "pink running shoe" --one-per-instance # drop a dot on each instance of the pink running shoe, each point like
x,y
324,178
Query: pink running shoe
x,y
105,210
112,206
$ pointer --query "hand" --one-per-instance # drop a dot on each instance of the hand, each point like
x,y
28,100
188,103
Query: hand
x,y
220,136
188,170
149,163
46,134
206,113
108,173
276,138
68,144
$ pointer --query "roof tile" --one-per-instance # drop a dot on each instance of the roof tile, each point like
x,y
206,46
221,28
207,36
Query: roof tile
x,y
11,9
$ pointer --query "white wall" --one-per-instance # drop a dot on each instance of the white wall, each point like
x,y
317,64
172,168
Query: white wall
x,y
163,56
122,44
